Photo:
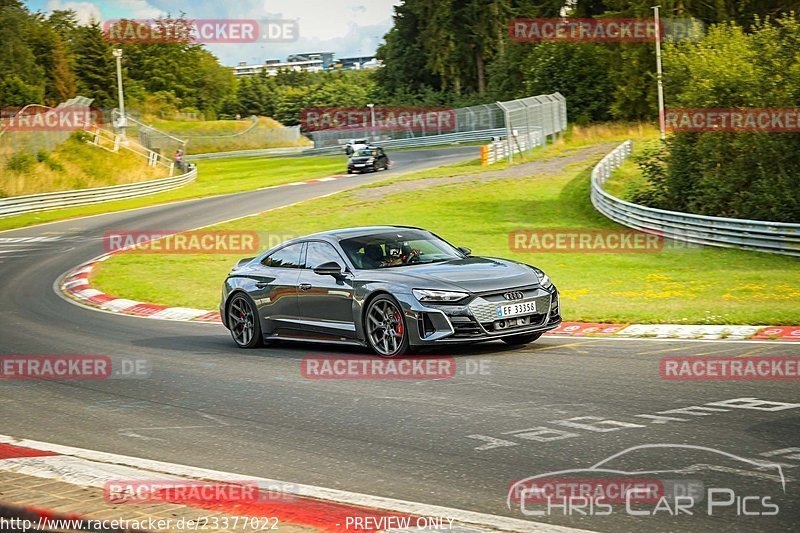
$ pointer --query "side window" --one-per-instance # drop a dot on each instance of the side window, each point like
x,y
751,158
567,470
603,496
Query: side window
x,y
288,257
318,253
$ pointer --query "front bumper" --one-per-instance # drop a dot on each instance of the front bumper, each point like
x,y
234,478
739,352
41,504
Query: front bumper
x,y
476,320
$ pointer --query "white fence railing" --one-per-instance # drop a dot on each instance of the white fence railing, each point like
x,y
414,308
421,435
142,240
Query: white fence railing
x,y
18,205
758,235
498,150
112,142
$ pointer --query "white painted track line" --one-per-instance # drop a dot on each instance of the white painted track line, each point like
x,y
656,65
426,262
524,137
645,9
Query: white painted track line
x,y
81,466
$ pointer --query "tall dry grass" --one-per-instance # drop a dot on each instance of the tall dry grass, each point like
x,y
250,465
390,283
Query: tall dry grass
x,y
74,165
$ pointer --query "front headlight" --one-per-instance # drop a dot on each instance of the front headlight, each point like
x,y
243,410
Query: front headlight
x,y
424,295
544,279
371,160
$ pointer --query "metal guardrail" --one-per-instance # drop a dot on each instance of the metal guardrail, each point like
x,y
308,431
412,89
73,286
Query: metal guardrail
x,y
18,205
430,140
757,235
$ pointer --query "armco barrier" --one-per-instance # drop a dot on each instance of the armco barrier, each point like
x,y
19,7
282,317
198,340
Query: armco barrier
x,y
758,235
428,140
18,205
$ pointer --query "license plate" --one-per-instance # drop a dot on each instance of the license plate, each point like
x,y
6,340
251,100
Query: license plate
x,y
359,165
524,308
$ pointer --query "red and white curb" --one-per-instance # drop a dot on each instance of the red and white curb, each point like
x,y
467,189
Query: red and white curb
x,y
323,508
75,284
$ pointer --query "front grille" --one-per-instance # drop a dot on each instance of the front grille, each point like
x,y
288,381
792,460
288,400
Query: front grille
x,y
497,326
484,307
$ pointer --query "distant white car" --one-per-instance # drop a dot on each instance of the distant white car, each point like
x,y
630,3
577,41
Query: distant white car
x,y
354,145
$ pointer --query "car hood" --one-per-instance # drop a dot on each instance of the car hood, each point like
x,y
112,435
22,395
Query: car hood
x,y
474,274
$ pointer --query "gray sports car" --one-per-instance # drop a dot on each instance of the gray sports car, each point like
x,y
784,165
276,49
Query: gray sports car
x,y
391,288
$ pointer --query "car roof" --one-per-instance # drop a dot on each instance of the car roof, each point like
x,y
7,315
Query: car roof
x,y
346,233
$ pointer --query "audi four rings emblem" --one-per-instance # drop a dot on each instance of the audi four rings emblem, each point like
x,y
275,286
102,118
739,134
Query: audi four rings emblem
x,y
514,295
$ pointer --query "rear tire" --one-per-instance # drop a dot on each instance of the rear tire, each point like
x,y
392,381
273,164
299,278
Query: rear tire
x,y
520,340
385,327
243,322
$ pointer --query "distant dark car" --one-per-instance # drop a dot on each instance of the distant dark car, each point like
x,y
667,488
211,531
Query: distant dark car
x,y
390,288
371,158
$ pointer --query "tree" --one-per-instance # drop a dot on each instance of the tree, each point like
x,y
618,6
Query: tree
x,y
21,78
94,65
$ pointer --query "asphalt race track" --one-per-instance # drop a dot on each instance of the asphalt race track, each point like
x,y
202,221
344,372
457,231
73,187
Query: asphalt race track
x,y
460,442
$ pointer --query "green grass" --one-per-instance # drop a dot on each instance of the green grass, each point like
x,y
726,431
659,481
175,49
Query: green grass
x,y
214,177
222,126
676,285
625,181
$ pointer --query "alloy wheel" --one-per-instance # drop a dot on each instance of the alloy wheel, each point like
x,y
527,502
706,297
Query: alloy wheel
x,y
385,328
241,321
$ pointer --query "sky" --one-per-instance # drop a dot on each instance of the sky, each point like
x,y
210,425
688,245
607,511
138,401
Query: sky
x,y
345,27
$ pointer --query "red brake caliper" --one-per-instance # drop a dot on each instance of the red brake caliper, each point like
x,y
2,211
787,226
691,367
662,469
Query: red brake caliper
x,y
399,323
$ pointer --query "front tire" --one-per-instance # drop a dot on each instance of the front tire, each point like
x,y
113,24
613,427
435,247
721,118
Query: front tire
x,y
243,322
385,327
520,340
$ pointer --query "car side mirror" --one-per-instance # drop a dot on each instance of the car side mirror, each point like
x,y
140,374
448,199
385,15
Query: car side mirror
x,y
464,250
331,268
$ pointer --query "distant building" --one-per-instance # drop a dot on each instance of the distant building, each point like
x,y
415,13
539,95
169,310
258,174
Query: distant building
x,y
309,62
327,58
353,63
273,66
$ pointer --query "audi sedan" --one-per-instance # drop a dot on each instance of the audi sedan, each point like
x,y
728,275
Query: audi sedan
x,y
371,158
389,288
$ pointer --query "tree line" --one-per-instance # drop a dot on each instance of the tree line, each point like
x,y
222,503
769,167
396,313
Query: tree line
x,y
459,52
49,59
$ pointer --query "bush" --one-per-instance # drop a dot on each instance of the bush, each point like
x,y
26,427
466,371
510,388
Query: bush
x,y
752,175
52,164
652,162
21,163
82,136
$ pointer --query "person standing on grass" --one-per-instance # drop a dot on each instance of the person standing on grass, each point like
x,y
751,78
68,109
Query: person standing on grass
x,y
179,159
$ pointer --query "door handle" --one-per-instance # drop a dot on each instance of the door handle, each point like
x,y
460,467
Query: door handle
x,y
305,286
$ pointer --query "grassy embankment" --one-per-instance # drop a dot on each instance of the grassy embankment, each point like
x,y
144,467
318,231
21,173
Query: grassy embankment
x,y
675,285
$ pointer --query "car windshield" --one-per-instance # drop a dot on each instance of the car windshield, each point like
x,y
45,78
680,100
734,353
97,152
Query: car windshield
x,y
366,153
398,248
